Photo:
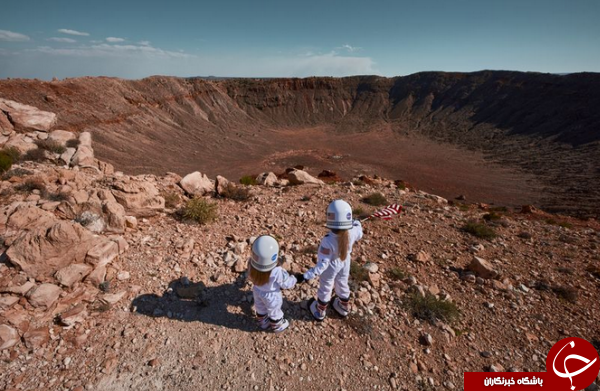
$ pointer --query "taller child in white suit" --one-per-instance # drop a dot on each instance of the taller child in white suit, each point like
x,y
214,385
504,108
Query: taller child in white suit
x,y
333,262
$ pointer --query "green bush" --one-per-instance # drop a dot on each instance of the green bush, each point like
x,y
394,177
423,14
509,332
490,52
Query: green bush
x,y
200,211
5,162
479,230
375,199
13,152
248,180
430,308
51,146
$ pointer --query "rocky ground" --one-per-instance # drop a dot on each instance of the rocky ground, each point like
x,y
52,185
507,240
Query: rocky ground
x,y
104,287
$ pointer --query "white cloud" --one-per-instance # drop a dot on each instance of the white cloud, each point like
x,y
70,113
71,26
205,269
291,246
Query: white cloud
x,y
10,36
106,50
144,43
350,48
114,39
73,32
63,40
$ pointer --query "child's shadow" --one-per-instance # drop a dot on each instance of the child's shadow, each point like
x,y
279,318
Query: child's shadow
x,y
225,305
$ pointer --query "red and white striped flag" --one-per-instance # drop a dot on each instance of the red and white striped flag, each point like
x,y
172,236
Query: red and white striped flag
x,y
387,213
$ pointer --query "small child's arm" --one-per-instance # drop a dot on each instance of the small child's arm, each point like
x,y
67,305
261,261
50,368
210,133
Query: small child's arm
x,y
356,231
323,259
286,281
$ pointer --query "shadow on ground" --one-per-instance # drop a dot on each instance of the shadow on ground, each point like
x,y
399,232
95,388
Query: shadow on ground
x,y
225,305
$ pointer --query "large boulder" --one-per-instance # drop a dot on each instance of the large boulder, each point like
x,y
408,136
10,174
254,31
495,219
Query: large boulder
x,y
266,179
102,254
26,118
221,184
197,184
9,337
300,177
67,155
61,136
482,268
44,295
69,275
114,216
28,218
85,139
41,254
21,142
6,128
83,157
140,198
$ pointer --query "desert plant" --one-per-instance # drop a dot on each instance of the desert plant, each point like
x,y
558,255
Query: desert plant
x,y
375,199
396,274
35,155
358,211
51,146
5,162
236,193
479,230
32,184
56,196
200,211
248,180
73,143
492,216
358,273
171,199
566,293
358,182
16,172
13,152
431,308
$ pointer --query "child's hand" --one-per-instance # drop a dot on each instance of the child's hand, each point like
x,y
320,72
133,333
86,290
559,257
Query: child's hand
x,y
299,277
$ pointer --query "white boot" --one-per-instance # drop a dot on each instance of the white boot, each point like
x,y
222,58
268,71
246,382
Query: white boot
x,y
318,311
341,307
280,325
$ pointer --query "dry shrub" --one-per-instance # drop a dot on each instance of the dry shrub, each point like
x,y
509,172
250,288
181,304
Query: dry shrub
x,y
199,210
431,308
172,199
479,230
32,184
375,199
236,193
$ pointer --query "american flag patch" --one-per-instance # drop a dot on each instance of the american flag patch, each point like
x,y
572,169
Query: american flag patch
x,y
331,216
324,250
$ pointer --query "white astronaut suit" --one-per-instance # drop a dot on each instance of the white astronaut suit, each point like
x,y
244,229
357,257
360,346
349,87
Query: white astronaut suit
x,y
333,271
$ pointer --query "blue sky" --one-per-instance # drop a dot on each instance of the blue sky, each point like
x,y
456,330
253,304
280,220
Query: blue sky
x,y
134,39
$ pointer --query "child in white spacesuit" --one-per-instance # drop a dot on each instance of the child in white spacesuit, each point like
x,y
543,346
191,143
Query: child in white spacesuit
x,y
333,262
268,279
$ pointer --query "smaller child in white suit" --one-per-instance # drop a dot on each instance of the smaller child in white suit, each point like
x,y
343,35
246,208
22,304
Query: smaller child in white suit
x,y
333,262
269,279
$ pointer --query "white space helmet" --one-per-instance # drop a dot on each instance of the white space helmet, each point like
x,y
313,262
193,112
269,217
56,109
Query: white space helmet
x,y
265,252
339,215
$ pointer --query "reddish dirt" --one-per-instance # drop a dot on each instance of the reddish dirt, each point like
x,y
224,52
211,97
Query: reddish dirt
x,y
498,137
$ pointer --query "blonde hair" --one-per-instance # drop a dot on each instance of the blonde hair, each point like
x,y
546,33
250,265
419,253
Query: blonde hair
x,y
257,277
343,239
